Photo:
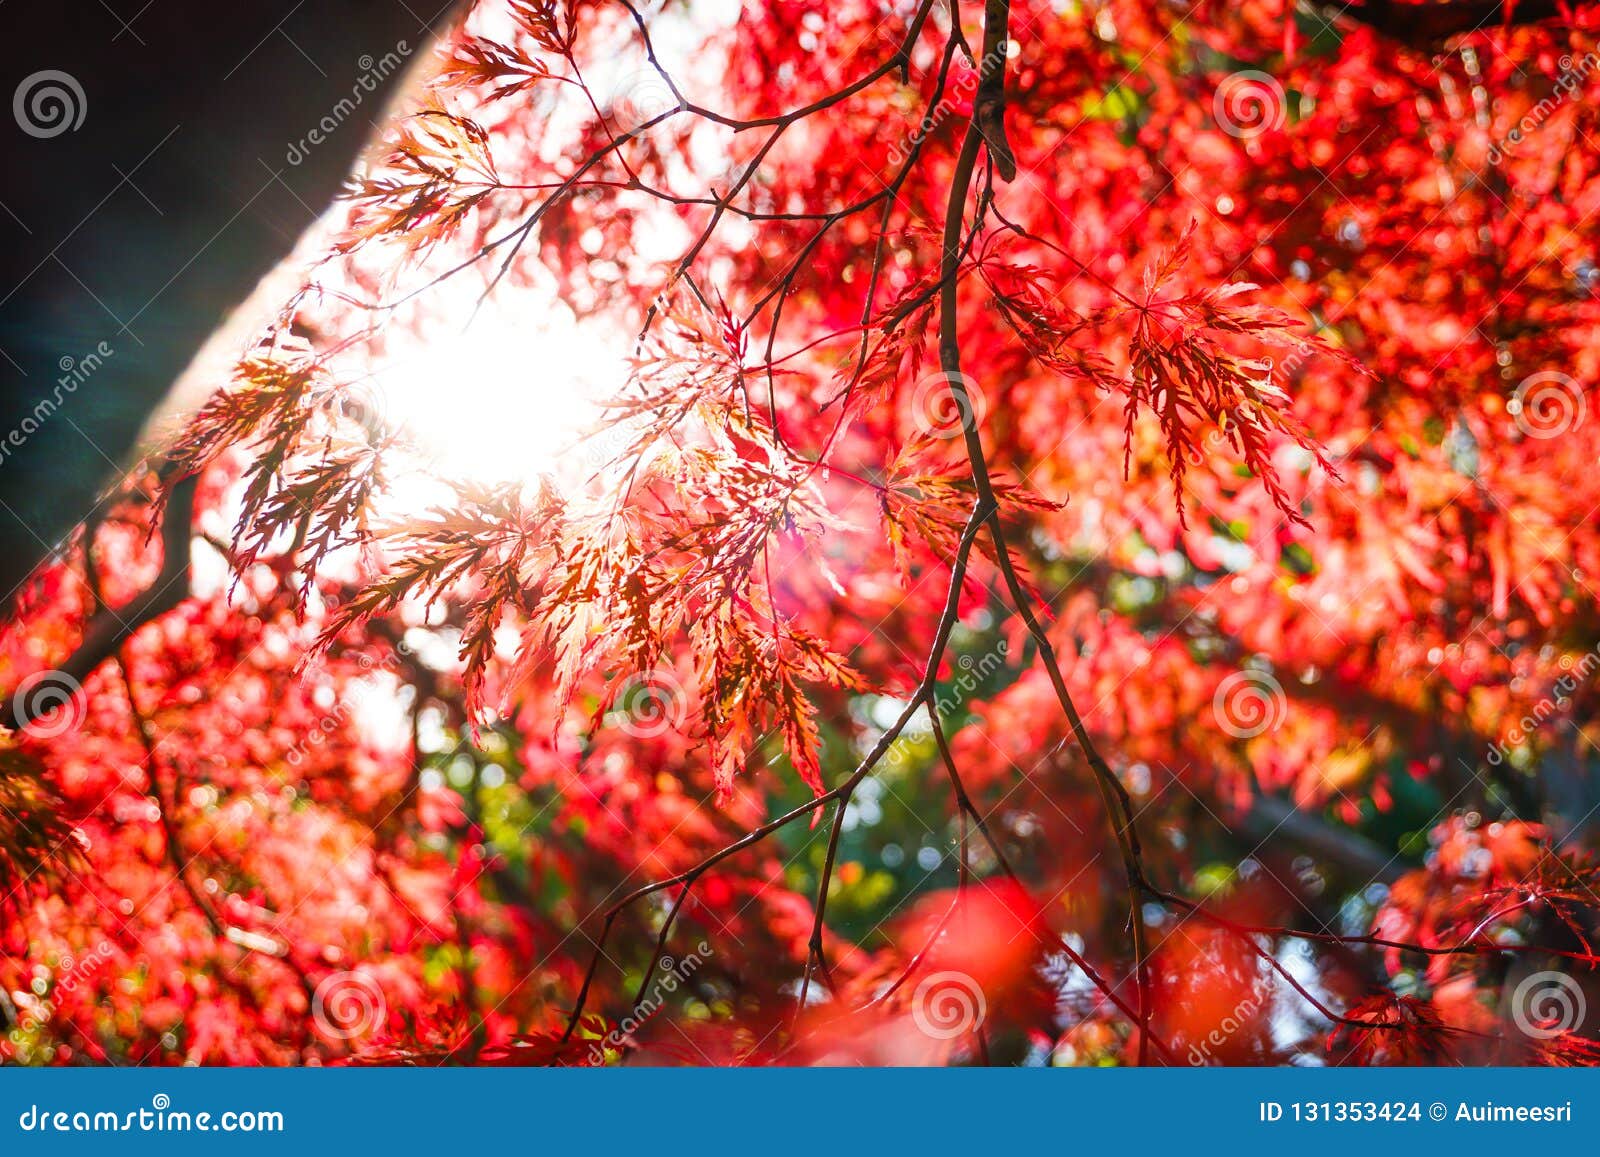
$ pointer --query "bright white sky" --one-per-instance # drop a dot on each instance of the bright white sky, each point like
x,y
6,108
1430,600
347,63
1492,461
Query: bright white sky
x,y
510,396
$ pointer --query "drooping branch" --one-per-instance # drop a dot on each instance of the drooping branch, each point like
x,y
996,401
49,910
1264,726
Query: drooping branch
x,y
1119,811
109,627
984,153
840,794
989,110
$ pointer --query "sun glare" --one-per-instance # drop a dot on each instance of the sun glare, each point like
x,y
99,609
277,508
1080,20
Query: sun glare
x,y
509,396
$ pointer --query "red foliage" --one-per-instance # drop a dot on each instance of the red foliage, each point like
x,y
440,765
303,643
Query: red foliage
x,y
1042,446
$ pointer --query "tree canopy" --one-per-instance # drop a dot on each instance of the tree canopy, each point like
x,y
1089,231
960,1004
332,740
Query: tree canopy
x,y
1087,558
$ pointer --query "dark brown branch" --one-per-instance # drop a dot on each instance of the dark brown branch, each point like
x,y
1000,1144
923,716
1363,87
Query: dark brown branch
x,y
1349,849
898,61
963,801
1119,809
109,628
989,109
1426,25
165,805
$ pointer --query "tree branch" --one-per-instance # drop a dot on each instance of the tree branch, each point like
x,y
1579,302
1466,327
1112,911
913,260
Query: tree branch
x,y
109,628
1426,24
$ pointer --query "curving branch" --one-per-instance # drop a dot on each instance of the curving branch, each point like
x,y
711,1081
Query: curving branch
x,y
1119,808
110,627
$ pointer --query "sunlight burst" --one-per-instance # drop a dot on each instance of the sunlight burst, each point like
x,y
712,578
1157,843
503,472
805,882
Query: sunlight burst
x,y
510,396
